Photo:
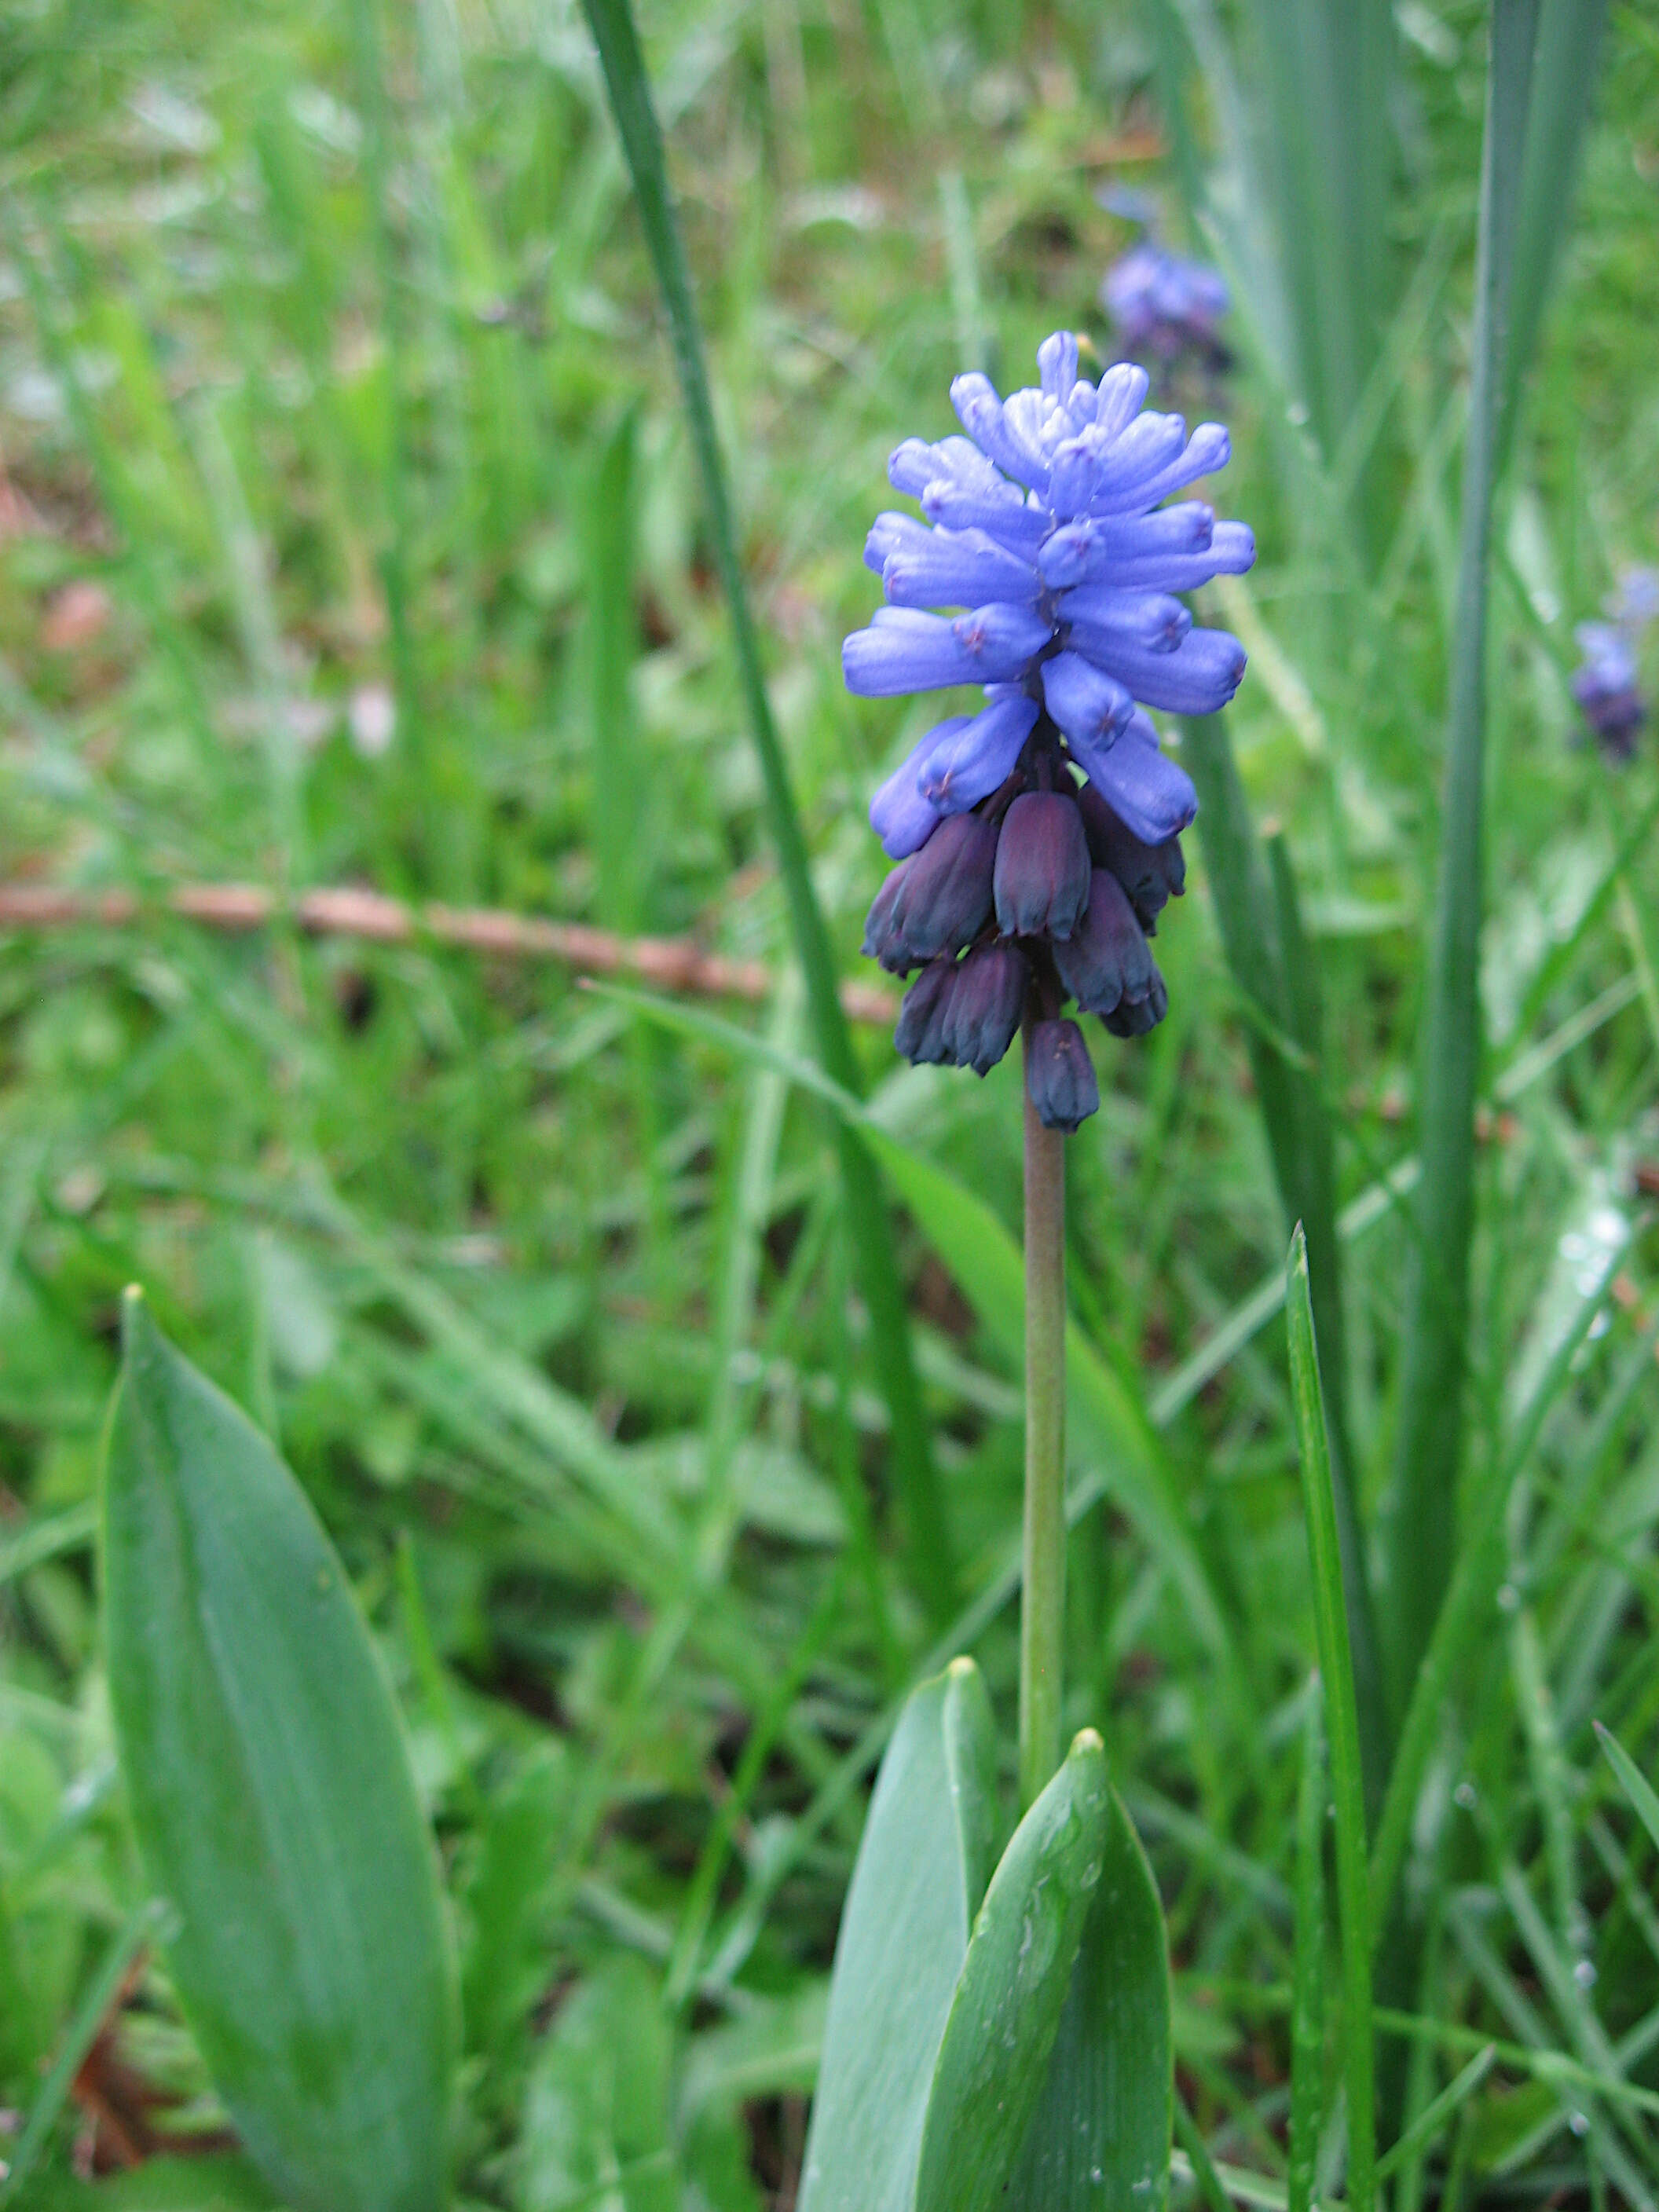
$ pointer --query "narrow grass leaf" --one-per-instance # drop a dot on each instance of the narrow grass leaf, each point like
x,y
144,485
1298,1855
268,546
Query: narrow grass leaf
x,y
1336,1676
1005,2013
88,2018
273,1799
1273,968
904,1933
1100,2135
1436,2116
1307,1978
1634,1784
1481,1561
927,1554
1429,1445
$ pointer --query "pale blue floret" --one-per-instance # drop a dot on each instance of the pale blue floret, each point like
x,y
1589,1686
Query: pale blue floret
x,y
1045,524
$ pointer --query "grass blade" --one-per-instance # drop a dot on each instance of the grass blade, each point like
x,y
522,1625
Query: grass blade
x,y
1336,1675
1326,69
926,1549
89,2017
1481,1561
1569,55
1437,1295
1271,965
1634,1784
1307,1982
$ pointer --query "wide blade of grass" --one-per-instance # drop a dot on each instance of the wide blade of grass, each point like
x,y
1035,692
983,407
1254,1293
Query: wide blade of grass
x,y
1336,1676
927,1547
1429,1446
1326,71
1273,968
1569,57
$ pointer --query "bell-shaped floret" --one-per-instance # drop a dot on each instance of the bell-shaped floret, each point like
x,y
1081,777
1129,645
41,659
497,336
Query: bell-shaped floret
x,y
1151,874
987,997
1041,878
1107,958
899,815
920,1035
1135,1017
1139,783
1061,1076
945,900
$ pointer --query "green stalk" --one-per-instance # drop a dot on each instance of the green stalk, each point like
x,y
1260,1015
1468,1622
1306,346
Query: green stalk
x,y
927,1547
1437,1297
1043,1599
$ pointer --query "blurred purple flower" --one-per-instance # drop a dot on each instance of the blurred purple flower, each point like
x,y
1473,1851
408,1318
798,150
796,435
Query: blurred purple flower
x,y
1163,306
1605,685
1045,526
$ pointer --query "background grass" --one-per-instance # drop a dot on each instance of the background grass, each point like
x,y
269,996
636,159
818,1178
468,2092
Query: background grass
x,y
321,333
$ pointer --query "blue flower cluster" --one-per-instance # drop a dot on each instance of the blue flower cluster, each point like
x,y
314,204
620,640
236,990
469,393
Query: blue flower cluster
x,y
1045,523
1607,684
1165,306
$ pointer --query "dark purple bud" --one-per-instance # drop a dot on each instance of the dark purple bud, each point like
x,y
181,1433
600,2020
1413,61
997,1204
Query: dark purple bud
x,y
1106,959
1135,1018
1061,1076
1151,874
946,898
985,1002
920,1033
882,940
1042,866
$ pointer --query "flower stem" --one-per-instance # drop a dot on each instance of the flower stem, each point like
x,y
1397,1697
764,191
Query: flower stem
x,y
1042,1603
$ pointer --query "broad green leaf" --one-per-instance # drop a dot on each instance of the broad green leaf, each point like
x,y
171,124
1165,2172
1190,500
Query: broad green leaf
x,y
1005,2015
162,2185
1100,2135
270,1789
596,2118
921,1872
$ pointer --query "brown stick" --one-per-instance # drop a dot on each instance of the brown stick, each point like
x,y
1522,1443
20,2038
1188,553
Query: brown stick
x,y
670,964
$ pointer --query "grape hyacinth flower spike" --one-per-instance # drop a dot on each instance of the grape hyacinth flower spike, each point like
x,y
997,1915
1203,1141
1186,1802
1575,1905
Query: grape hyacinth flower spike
x,y
1607,684
1039,839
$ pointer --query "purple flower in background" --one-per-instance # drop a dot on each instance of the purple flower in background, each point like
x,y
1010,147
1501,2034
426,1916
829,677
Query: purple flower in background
x,y
1605,685
1045,526
1163,306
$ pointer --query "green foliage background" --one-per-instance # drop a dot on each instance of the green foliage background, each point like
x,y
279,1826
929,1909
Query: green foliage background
x,y
329,355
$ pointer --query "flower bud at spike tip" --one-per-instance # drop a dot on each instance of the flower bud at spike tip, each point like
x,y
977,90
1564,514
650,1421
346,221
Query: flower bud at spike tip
x,y
1042,880
1061,1076
946,896
1106,959
986,1000
920,1035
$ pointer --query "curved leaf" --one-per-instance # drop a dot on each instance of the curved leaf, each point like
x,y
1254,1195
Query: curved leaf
x,y
1005,2016
1100,2135
921,1871
271,1793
